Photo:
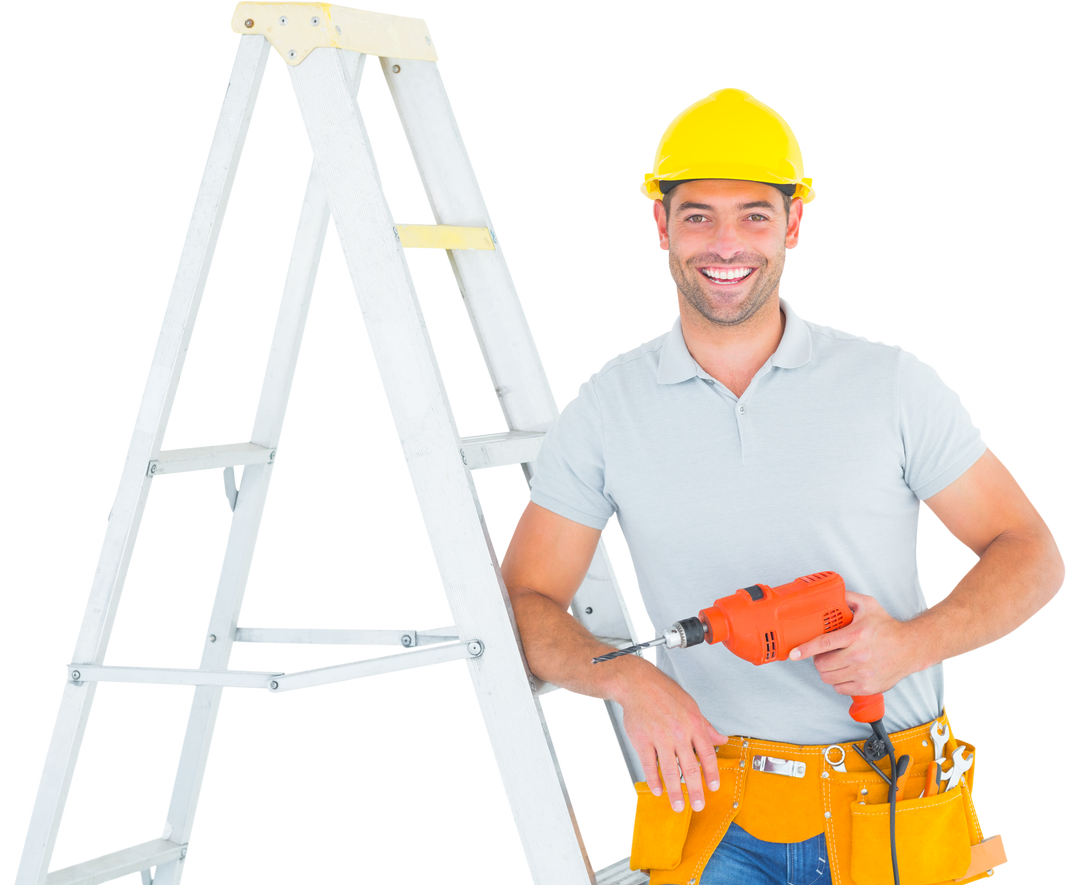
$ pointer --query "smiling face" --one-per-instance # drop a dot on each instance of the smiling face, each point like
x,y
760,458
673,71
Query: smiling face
x,y
726,243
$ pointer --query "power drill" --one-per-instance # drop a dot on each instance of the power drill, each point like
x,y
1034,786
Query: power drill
x,y
761,624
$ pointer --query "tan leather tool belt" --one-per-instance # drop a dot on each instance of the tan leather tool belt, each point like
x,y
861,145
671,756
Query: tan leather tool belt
x,y
788,793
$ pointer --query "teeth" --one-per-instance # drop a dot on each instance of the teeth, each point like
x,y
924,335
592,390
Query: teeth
x,y
734,274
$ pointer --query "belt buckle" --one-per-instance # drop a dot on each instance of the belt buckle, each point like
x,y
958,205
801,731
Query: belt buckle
x,y
786,767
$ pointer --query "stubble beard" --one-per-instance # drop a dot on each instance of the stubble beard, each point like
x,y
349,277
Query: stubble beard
x,y
708,301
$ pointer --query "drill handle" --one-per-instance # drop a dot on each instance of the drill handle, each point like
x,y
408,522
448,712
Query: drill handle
x,y
867,708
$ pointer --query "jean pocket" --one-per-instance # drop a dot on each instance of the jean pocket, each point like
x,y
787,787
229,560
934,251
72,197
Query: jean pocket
x,y
808,862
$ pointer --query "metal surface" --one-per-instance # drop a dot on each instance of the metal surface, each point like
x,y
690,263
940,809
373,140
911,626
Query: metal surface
x,y
406,638
444,236
959,766
145,442
122,862
620,874
344,179
428,432
295,29
830,755
939,734
772,765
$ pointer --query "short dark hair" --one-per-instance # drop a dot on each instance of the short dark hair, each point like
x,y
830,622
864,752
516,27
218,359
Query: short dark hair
x,y
668,191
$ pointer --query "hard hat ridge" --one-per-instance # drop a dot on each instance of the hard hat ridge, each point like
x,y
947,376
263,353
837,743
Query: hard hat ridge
x,y
728,134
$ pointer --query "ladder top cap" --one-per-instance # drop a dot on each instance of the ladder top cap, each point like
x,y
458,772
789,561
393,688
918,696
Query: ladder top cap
x,y
294,29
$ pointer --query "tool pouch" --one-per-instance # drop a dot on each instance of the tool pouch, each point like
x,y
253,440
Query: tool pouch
x,y
938,839
659,831
676,846
933,840
935,836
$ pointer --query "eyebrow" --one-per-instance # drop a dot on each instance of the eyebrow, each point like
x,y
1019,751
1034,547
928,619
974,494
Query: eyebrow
x,y
756,204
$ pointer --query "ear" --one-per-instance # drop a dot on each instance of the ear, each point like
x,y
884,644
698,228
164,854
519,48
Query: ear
x,y
794,223
661,222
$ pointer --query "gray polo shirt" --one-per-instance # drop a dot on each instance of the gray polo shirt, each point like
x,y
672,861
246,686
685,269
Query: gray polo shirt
x,y
819,465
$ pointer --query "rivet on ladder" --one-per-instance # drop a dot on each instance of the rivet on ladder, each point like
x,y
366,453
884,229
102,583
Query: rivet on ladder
x,y
292,53
213,638
396,69
588,611
284,20
248,23
314,21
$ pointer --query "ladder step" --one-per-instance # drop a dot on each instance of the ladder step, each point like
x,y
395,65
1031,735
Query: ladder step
x,y
496,450
407,638
444,236
210,458
500,449
278,681
119,863
621,874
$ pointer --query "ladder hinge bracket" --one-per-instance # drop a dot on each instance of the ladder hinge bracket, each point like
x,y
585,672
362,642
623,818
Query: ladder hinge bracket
x,y
294,29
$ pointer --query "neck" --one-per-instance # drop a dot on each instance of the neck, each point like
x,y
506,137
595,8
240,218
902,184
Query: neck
x,y
733,354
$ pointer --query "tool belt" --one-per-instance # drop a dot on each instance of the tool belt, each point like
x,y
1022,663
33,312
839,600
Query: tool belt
x,y
789,793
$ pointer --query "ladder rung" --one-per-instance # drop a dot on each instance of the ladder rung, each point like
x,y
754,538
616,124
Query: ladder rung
x,y
444,236
278,681
119,863
621,874
407,638
210,457
500,449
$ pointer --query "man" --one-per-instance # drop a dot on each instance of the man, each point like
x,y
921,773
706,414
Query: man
x,y
748,446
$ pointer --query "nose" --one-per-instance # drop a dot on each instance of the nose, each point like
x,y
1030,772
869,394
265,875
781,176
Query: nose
x,y
727,242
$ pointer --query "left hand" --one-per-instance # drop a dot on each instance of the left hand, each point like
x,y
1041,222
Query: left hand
x,y
868,656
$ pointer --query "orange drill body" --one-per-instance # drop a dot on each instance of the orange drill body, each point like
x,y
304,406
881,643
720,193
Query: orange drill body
x,y
761,624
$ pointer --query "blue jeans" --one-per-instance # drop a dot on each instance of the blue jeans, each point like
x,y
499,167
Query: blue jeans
x,y
740,859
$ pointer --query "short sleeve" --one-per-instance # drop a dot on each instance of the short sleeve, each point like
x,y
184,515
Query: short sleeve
x,y
569,475
940,442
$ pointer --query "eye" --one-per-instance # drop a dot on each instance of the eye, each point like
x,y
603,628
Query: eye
x,y
758,217
695,219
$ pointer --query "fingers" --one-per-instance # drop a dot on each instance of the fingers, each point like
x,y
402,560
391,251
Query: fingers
x,y
669,771
826,642
688,765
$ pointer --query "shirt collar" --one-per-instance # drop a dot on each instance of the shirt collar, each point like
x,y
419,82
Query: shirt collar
x,y
677,365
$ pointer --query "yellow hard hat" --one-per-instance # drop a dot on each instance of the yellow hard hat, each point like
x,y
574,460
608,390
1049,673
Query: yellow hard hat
x,y
729,134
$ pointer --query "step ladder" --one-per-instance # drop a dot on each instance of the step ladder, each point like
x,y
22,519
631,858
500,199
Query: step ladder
x,y
326,47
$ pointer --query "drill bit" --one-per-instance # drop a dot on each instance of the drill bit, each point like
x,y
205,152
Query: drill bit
x,y
633,649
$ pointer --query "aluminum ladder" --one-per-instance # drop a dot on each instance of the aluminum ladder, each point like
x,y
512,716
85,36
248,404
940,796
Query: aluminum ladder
x,y
325,47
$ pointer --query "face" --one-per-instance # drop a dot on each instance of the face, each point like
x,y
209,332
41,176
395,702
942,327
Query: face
x,y
726,242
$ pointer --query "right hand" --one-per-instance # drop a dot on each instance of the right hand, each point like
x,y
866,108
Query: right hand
x,y
669,733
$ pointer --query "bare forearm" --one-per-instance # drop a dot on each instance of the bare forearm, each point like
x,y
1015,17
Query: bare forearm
x,y
1015,577
560,650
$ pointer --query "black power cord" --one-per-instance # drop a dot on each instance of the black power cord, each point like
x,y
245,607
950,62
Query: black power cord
x,y
875,748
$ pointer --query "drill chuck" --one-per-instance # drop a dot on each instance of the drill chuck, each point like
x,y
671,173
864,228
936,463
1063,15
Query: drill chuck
x,y
684,633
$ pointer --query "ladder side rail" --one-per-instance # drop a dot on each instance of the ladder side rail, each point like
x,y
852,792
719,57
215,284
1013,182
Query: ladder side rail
x,y
442,482
145,444
486,285
497,317
266,431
